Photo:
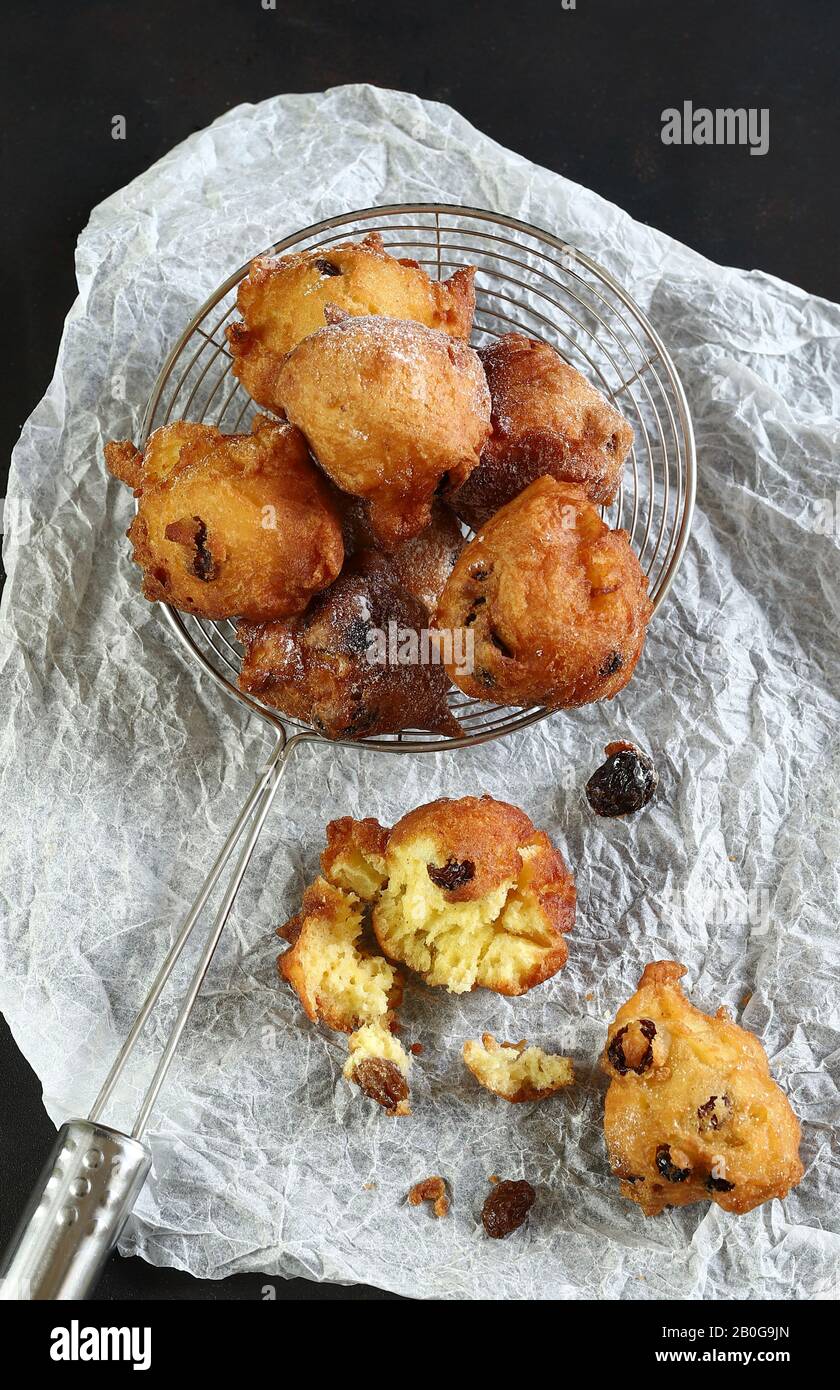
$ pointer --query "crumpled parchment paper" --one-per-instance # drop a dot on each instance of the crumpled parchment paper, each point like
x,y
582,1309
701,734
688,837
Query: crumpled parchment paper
x,y
122,770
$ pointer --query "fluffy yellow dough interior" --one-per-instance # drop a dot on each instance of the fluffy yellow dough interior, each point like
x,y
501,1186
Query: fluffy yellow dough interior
x,y
493,940
357,985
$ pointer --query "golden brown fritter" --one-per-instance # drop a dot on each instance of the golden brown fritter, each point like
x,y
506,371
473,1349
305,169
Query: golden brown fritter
x,y
392,410
516,1071
546,419
476,896
230,525
337,980
423,564
557,603
379,1065
282,301
692,1113
335,668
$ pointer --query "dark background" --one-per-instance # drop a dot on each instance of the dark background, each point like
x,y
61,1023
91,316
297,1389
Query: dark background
x,y
580,91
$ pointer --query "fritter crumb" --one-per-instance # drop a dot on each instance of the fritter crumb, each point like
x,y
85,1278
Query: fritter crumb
x,y
430,1190
515,1071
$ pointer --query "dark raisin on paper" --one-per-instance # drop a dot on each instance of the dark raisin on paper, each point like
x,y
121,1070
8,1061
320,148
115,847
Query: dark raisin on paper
x,y
382,1081
506,1207
616,1054
451,875
624,783
668,1169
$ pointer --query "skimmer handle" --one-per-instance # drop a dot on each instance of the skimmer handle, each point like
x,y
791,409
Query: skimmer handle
x,y
75,1214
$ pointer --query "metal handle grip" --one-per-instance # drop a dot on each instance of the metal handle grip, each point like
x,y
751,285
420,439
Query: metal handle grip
x,y
74,1216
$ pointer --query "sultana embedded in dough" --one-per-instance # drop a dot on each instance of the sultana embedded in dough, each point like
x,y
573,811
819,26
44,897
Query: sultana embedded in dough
x,y
692,1113
557,603
476,896
230,525
283,299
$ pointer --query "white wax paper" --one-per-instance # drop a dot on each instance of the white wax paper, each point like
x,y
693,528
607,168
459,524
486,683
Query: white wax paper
x,y
122,769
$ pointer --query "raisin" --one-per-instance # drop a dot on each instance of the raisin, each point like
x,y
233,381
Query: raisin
x,y
382,1081
507,1207
473,613
192,533
615,1051
624,783
453,874
479,574
713,1113
325,267
613,663
500,644
430,1190
204,566
719,1185
668,1170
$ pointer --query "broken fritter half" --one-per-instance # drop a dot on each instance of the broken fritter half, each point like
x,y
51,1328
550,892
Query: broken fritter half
x,y
283,299
338,981
475,896
517,1071
339,977
230,525
692,1113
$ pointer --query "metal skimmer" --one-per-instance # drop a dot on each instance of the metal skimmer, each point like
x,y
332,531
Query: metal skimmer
x,y
530,281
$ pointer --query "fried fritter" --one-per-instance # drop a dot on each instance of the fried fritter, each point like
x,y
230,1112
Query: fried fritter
x,y
230,525
516,1071
547,418
392,410
692,1113
476,896
423,564
557,603
338,982
379,1064
336,668
282,301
